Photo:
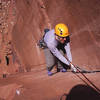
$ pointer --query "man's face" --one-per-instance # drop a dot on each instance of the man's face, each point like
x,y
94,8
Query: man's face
x,y
61,39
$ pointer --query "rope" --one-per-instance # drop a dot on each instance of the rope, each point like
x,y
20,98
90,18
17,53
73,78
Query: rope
x,y
88,82
78,69
96,88
87,71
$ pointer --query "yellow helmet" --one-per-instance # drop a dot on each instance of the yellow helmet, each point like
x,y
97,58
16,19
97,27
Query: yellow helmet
x,y
61,30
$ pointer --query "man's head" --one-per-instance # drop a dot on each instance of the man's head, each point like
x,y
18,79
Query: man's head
x,y
61,32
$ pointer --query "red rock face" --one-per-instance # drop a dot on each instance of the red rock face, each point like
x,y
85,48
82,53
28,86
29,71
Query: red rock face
x,y
7,21
31,17
21,28
82,17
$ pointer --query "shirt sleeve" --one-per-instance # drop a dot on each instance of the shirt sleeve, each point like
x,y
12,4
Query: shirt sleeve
x,y
56,53
68,52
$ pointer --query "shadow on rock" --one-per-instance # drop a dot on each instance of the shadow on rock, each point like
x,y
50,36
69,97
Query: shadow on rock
x,y
82,92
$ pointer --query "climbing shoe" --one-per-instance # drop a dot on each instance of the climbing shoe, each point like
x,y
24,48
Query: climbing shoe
x,y
49,73
63,70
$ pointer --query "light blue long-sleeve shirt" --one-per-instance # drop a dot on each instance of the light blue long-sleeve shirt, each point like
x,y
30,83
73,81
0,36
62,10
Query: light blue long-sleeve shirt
x,y
52,43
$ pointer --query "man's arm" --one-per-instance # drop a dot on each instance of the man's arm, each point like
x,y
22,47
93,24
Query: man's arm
x,y
56,53
68,52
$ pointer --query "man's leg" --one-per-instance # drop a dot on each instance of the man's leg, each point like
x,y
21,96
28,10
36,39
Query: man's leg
x,y
62,67
50,60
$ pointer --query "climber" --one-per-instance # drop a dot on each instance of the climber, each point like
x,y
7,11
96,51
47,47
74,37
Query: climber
x,y
58,45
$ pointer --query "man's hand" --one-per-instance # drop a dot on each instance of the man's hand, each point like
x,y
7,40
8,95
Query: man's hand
x,y
73,69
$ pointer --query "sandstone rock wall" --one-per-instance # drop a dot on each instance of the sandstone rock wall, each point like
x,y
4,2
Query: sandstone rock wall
x,y
22,27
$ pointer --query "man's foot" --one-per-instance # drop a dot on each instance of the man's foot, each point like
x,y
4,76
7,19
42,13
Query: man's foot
x,y
63,70
49,73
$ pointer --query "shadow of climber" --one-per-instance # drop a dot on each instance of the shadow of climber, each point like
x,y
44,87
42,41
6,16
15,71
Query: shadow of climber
x,y
82,92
